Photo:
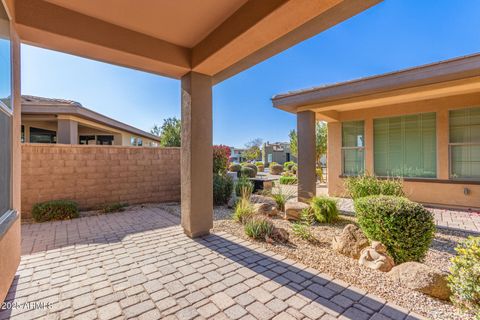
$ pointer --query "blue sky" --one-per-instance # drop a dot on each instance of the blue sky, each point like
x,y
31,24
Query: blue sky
x,y
393,35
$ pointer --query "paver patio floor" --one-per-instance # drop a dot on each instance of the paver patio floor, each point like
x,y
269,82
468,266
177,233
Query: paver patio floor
x,y
139,264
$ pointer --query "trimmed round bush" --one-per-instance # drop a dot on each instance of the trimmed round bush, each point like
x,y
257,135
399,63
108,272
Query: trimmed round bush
x,y
367,185
259,227
248,172
405,227
260,167
464,278
288,180
55,210
253,166
222,189
324,209
276,169
235,167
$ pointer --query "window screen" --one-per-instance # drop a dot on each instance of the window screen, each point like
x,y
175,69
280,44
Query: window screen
x,y
353,153
405,146
465,143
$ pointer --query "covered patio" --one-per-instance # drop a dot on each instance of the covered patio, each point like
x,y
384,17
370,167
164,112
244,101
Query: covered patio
x,y
201,45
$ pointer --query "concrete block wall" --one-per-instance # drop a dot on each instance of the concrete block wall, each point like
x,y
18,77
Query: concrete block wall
x,y
97,175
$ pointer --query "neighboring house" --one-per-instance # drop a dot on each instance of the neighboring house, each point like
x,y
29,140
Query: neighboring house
x,y
278,152
421,124
46,120
236,155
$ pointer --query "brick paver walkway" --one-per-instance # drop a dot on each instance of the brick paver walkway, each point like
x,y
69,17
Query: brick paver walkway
x,y
139,264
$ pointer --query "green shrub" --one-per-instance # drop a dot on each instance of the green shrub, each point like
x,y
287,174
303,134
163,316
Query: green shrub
x,y
259,163
324,209
366,185
235,167
113,207
303,231
253,167
259,227
55,210
281,198
243,210
243,187
294,169
405,227
222,189
288,180
248,172
464,278
271,164
260,168
288,165
307,216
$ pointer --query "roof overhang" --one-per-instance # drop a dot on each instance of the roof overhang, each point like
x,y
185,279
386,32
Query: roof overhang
x,y
84,113
447,78
171,38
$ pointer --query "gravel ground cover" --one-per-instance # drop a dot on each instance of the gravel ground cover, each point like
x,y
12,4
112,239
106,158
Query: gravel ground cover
x,y
321,257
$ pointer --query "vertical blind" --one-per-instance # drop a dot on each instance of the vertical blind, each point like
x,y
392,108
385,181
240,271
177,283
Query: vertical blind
x,y
353,153
465,143
405,146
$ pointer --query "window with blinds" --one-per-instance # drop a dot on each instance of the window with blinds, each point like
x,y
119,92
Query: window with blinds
x,y
353,153
464,143
405,146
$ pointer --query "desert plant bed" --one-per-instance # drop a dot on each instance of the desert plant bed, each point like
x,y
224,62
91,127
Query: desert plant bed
x,y
319,255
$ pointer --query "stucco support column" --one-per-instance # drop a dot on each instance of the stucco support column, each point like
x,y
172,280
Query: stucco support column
x,y
67,131
196,156
307,178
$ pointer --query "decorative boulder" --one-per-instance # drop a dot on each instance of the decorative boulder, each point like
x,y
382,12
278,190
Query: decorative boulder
x,y
276,169
376,257
256,198
264,205
419,277
280,235
294,209
350,242
265,209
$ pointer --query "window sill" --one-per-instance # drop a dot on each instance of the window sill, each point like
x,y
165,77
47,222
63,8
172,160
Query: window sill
x,y
429,180
6,221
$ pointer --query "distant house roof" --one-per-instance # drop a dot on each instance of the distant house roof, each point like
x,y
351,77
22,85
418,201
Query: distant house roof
x,y
41,105
428,74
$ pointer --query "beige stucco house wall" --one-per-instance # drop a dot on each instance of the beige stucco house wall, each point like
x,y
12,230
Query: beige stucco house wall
x,y
438,90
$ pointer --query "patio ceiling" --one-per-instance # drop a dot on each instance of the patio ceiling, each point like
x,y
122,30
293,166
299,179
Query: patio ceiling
x,y
214,37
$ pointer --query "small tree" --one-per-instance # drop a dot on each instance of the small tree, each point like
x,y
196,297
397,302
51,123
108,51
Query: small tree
x,y
170,132
221,156
293,143
253,149
321,134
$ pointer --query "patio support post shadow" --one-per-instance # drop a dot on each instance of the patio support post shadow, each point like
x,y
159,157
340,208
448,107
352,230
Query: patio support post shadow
x,y
306,155
196,155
